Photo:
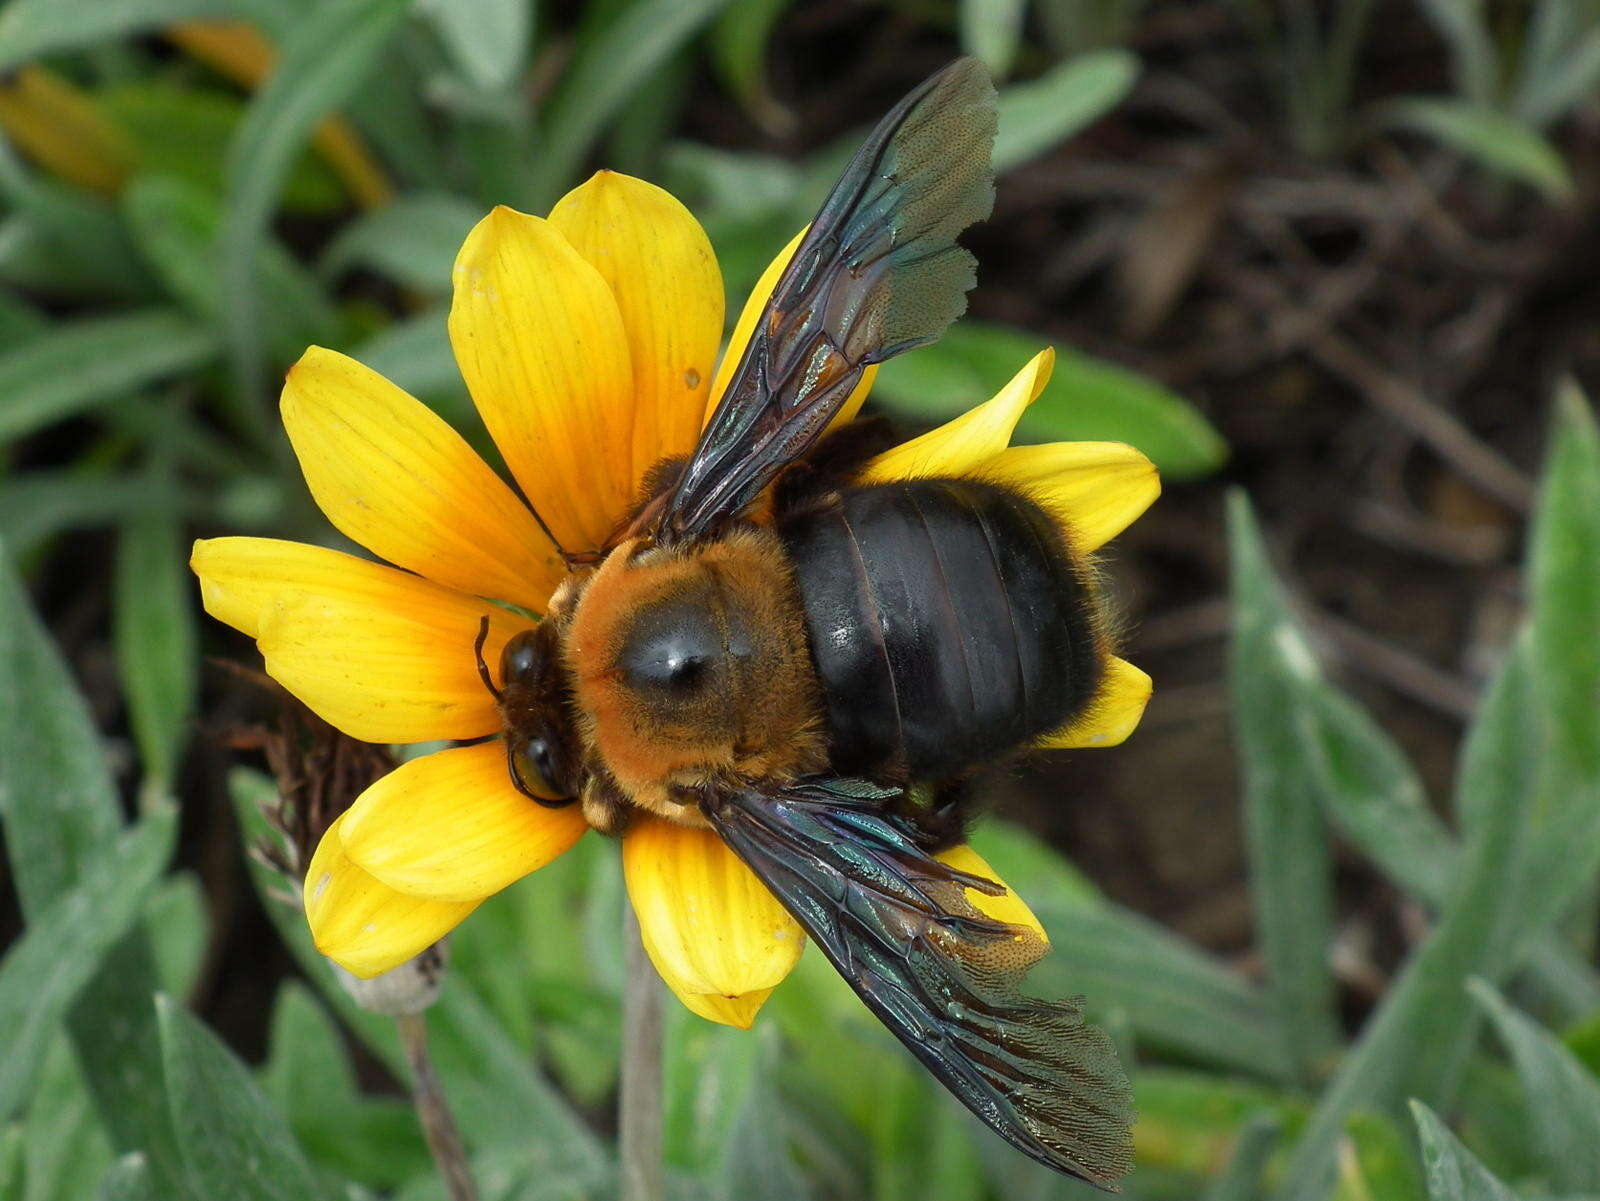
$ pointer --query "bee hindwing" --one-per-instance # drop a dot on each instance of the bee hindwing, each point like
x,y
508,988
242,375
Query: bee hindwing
x,y
899,928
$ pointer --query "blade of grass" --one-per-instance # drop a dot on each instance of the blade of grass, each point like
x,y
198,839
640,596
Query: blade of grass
x,y
1240,1178
91,360
1454,1173
1563,1097
30,29
1290,860
60,811
63,945
155,636
1044,112
412,241
322,62
488,39
1415,1042
606,68
235,1144
991,30
1565,570
1492,139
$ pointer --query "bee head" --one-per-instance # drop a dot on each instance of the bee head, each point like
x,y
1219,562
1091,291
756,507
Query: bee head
x,y
543,755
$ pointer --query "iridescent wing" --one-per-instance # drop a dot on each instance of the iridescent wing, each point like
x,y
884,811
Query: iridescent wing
x,y
878,272
899,928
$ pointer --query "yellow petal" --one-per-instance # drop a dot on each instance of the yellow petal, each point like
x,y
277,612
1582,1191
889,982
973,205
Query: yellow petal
x,y
1007,907
381,654
242,578
1094,489
959,447
1112,715
403,671
366,927
745,326
393,476
661,269
450,826
711,928
739,1012
541,345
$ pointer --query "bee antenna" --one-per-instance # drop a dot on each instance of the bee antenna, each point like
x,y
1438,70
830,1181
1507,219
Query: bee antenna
x,y
477,653
567,557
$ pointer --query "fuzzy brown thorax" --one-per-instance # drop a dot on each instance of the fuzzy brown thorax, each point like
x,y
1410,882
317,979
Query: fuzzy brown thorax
x,y
691,665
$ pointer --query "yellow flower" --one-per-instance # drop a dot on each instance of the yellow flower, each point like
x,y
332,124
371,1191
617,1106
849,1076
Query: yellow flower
x,y
589,342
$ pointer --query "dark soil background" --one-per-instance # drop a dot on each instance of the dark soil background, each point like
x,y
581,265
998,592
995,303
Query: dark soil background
x,y
1377,334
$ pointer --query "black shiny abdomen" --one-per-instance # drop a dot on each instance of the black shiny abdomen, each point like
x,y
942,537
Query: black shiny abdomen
x,y
948,621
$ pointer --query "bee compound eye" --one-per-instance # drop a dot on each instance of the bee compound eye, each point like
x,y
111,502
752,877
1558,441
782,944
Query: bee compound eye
x,y
537,769
521,656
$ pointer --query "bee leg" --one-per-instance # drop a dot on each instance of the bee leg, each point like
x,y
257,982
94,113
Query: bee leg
x,y
834,464
948,814
605,807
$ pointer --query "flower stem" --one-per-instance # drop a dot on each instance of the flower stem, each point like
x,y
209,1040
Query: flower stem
x,y
438,1125
639,1107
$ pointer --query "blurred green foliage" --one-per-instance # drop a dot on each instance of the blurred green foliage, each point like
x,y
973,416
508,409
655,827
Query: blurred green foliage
x,y
184,207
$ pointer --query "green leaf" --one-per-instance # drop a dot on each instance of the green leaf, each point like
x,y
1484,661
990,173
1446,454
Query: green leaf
x,y
488,39
321,63
56,796
128,1180
1494,140
1546,91
1378,1162
40,504
1045,112
1454,1173
1416,1041
1563,1097
1290,860
1565,581
64,1149
60,811
64,943
178,924
92,360
1086,399
738,44
32,28
992,30
708,1073
234,1143
1475,58
176,226
1372,794
377,1141
413,241
1240,1179
62,241
13,1163
154,628
608,65
183,132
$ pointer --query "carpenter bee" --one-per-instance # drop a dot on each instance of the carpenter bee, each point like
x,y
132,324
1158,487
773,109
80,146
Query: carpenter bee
x,y
811,666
